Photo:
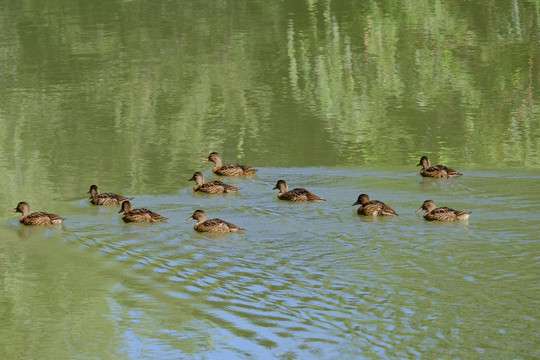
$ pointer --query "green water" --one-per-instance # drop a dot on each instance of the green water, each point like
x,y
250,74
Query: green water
x,y
338,97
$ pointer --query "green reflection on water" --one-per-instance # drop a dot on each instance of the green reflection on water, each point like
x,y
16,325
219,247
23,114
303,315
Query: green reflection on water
x,y
147,90
131,95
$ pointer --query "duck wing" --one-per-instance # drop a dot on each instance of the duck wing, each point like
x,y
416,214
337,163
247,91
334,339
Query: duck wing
x,y
248,170
217,225
109,199
462,215
449,172
370,208
300,195
437,171
452,172
142,215
217,187
235,170
387,210
441,214
230,170
41,218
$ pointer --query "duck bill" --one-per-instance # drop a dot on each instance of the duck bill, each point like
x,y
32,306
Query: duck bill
x,y
13,211
190,218
356,203
121,211
192,179
419,210
205,160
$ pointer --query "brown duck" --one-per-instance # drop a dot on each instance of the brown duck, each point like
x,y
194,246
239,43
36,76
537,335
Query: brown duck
x,y
212,225
97,198
36,218
437,171
139,215
373,207
442,213
229,169
295,195
213,187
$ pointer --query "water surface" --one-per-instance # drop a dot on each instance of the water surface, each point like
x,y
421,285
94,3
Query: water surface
x,y
338,98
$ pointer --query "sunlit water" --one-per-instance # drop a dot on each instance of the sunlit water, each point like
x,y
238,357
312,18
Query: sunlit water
x,y
303,280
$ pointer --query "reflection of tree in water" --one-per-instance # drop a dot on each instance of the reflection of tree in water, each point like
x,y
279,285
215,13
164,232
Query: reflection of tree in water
x,y
135,97
419,78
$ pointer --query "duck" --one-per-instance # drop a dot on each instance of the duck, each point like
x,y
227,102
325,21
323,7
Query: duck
x,y
213,187
139,215
212,225
36,218
97,198
229,169
442,213
295,195
437,171
373,207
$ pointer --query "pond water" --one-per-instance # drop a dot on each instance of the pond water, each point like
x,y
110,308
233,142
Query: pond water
x,y
340,99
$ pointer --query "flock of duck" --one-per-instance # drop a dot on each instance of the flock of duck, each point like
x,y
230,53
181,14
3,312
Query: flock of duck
x,y
129,214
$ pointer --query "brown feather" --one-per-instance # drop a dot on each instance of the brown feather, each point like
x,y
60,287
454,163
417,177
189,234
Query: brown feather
x,y
433,213
36,218
213,187
212,225
98,198
295,195
437,171
229,169
373,207
139,215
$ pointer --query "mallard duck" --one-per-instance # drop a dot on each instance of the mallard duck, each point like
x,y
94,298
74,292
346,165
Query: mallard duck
x,y
373,207
229,169
139,215
97,198
295,195
213,187
442,213
36,218
437,171
212,225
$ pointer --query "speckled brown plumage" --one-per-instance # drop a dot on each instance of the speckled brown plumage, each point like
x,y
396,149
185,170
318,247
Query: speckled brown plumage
x,y
212,225
373,207
36,218
295,195
437,171
139,215
98,198
442,213
229,169
213,187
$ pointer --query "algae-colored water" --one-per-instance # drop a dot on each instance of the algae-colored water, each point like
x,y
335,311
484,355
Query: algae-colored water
x,y
340,98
